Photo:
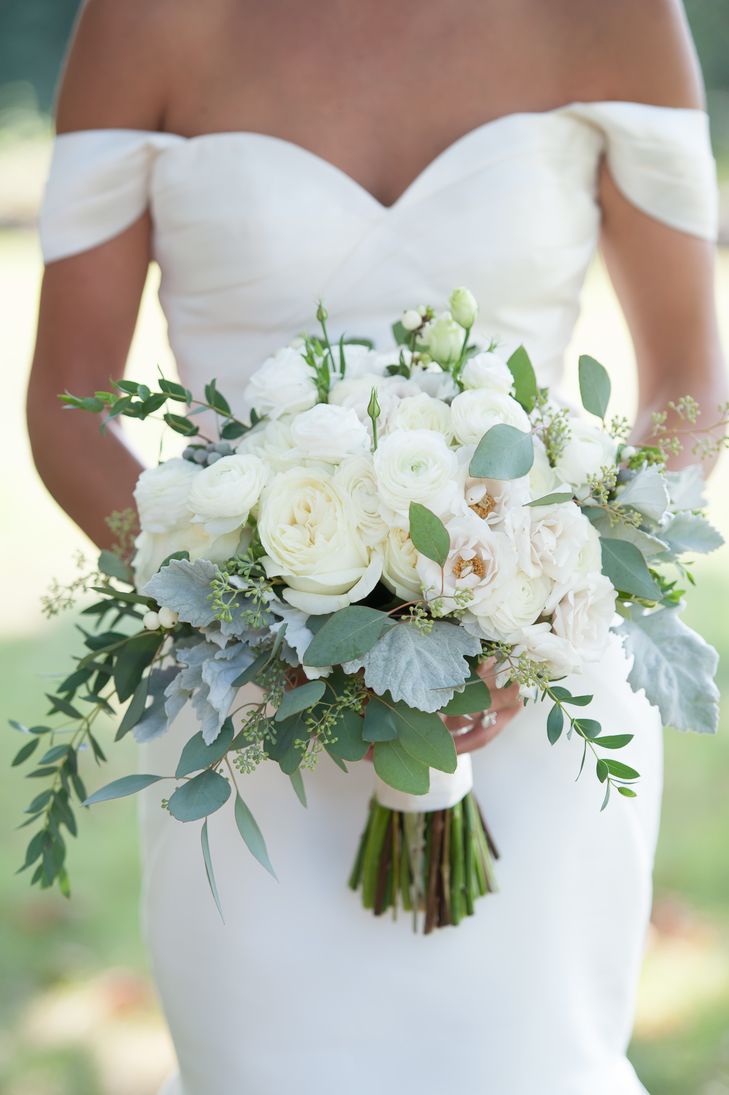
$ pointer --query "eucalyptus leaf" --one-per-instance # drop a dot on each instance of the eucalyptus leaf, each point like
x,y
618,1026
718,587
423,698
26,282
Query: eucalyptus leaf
x,y
347,634
208,861
111,565
196,755
525,380
380,723
397,768
503,453
199,796
132,660
120,788
646,492
551,499
347,737
252,835
474,697
300,699
555,723
594,385
428,534
626,568
426,738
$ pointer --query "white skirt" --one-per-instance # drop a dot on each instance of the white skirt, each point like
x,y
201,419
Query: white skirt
x,y
302,992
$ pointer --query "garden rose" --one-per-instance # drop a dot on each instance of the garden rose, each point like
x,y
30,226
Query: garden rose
x,y
328,432
284,384
487,370
584,615
161,494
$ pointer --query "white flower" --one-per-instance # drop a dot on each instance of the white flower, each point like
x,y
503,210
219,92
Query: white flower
x,y
539,642
414,466
225,492
284,384
588,449
152,548
161,494
487,370
416,412
271,442
355,392
309,532
511,604
476,411
442,337
434,381
355,478
463,306
479,559
399,570
559,541
361,360
584,615
411,319
543,479
329,432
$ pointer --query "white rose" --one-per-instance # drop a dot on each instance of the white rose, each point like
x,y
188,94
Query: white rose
x,y
153,548
479,560
225,492
442,337
584,615
511,605
284,384
487,370
422,412
161,494
356,393
560,542
355,478
588,449
415,466
271,442
476,411
463,306
399,570
329,432
539,642
309,533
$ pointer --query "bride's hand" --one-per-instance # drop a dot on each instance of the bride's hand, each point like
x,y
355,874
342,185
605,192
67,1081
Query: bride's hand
x,y
469,731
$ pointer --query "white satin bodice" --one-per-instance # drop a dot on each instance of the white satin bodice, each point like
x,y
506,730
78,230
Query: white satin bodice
x,y
250,230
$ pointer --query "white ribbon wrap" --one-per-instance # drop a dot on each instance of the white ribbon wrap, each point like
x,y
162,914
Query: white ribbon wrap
x,y
446,789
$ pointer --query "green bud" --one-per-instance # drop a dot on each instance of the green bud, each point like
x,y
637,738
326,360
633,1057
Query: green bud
x,y
463,307
321,313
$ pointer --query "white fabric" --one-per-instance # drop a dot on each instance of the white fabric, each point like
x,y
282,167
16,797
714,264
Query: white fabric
x,y
301,990
446,789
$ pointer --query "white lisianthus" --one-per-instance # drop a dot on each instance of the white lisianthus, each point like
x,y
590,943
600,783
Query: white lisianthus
x,y
355,478
414,466
442,338
284,384
422,412
153,548
539,642
588,449
329,432
584,615
271,442
224,493
463,306
511,605
477,410
399,570
487,370
356,393
309,532
161,494
479,559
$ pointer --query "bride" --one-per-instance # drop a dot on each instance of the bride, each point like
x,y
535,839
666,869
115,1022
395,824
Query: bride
x,y
375,155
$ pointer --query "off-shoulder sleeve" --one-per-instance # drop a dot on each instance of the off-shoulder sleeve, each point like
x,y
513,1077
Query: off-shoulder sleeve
x,y
661,159
98,185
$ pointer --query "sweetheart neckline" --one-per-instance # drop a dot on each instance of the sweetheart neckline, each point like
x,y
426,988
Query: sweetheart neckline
x,y
445,153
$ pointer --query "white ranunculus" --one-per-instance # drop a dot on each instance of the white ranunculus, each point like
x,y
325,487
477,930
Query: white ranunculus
x,y
284,384
477,410
362,361
463,306
442,338
225,492
309,532
511,604
357,391
422,412
479,560
584,615
161,494
487,370
153,548
399,570
271,442
587,450
415,466
541,644
355,478
329,432
434,381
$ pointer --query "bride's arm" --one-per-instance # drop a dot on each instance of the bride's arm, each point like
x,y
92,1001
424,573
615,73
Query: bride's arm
x,y
89,302
664,278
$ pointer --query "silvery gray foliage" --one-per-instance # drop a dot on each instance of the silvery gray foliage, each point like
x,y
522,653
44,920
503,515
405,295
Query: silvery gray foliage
x,y
424,669
185,587
691,532
298,636
155,721
206,680
646,492
686,487
650,546
675,667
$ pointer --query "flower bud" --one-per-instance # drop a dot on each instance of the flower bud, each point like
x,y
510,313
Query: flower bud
x,y
167,617
463,306
628,452
321,313
411,319
151,621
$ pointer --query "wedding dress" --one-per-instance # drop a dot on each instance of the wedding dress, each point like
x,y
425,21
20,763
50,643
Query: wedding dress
x,y
301,990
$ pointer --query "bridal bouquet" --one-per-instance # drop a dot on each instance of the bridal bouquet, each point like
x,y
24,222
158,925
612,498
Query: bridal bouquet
x,y
373,529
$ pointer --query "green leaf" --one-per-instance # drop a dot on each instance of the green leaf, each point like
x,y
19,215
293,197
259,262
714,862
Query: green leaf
x,y
475,697
400,334
25,751
283,747
379,721
132,660
180,424
622,771
215,399
297,782
54,753
429,534
111,565
426,738
200,796
594,385
196,755
503,453
399,769
252,671
589,727
626,568
300,699
231,431
120,788
525,381
555,723
252,835
627,792
175,391
60,705
551,499
207,859
134,711
614,741
602,770
347,634
347,737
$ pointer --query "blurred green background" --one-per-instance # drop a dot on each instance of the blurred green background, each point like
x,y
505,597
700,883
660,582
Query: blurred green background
x,y
77,1012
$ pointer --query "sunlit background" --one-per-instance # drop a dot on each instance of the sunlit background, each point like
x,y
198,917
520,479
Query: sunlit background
x,y
78,1015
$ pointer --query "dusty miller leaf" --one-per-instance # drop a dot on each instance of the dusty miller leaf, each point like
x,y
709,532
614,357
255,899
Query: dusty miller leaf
x,y
185,587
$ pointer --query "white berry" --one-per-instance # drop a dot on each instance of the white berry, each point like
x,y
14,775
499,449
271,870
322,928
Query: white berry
x,y
411,319
151,621
167,617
